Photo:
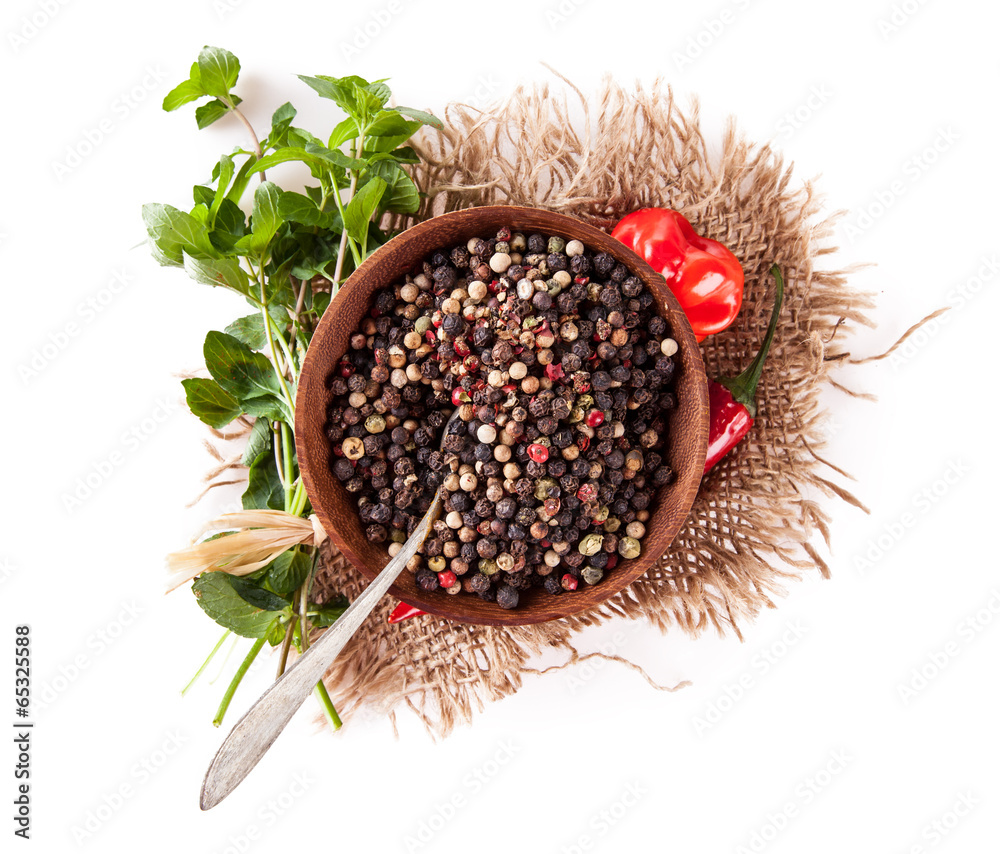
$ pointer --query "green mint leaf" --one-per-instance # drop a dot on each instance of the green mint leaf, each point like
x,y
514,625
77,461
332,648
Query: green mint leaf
x,y
343,132
251,591
341,92
258,442
250,329
321,300
218,597
230,226
422,117
224,272
264,490
225,170
388,130
183,93
219,71
175,232
380,92
283,155
294,207
265,219
405,155
334,156
210,402
199,213
246,375
329,613
298,138
288,571
276,634
242,179
361,208
401,195
281,120
203,194
369,103
211,112
269,406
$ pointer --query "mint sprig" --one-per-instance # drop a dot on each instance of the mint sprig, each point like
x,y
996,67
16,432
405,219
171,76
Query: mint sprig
x,y
286,260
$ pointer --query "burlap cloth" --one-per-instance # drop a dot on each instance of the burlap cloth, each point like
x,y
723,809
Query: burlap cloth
x,y
757,519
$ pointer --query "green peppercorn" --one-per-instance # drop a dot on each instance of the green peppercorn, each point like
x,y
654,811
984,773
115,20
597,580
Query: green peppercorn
x,y
375,424
591,544
591,574
488,566
556,244
601,514
612,524
543,486
423,324
629,547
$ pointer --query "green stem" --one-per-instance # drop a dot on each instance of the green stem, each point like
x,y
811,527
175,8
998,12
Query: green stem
x,y
208,660
359,146
276,445
743,387
231,690
289,356
253,134
287,444
286,644
300,298
299,499
328,708
320,690
269,332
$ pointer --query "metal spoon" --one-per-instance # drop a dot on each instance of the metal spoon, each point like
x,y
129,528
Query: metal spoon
x,y
257,730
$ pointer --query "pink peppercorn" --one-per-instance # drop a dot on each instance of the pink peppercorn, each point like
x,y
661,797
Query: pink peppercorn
x,y
568,582
447,578
595,418
539,453
554,371
459,396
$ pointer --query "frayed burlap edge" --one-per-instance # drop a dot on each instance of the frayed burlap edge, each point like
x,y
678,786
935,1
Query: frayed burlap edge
x,y
755,523
756,520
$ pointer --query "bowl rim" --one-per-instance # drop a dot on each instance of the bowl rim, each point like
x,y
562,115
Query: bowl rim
x,y
313,448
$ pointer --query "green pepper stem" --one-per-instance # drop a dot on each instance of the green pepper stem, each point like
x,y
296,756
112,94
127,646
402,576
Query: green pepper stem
x,y
743,387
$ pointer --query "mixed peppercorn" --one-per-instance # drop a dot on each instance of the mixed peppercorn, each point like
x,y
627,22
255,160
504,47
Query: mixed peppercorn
x,y
563,373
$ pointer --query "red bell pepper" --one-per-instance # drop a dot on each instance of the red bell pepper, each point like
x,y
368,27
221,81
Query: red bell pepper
x,y
704,275
732,400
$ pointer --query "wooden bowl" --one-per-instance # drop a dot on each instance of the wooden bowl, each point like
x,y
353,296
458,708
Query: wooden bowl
x,y
335,507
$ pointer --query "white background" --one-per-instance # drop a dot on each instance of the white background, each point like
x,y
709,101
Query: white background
x,y
798,739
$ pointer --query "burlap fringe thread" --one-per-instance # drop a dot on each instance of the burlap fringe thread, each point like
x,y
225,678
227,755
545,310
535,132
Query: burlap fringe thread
x,y
753,525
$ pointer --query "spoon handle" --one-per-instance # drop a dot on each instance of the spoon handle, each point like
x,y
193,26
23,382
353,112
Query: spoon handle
x,y
257,730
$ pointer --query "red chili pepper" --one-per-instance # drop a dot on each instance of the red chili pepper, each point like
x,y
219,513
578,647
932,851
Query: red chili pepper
x,y
704,275
731,400
403,612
